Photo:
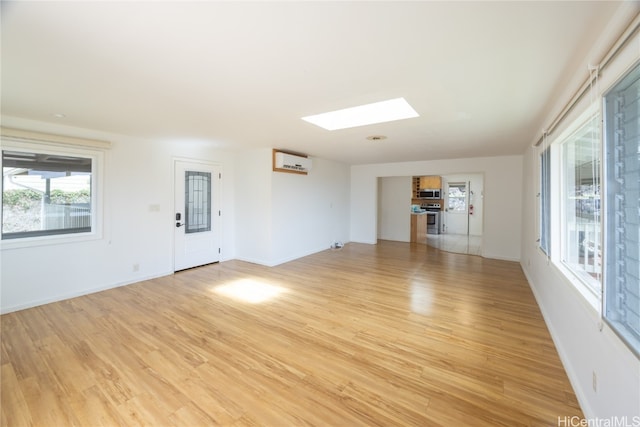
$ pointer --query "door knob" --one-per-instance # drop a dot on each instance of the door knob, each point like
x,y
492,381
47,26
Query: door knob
x,y
178,224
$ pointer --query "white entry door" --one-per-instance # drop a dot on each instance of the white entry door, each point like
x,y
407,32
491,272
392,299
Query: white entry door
x,y
197,214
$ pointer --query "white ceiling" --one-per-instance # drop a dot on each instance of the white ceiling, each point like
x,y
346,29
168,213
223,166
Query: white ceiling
x,y
482,75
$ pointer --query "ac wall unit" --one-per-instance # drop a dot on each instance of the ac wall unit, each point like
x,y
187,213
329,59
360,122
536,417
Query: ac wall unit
x,y
291,162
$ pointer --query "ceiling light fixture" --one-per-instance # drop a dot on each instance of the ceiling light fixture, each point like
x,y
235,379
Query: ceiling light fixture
x,y
378,112
376,137
58,115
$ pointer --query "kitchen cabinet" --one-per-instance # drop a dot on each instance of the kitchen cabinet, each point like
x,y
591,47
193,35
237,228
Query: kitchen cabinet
x,y
430,182
424,182
418,228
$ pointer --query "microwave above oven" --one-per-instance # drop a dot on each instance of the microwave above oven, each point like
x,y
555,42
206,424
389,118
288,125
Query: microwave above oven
x,y
429,194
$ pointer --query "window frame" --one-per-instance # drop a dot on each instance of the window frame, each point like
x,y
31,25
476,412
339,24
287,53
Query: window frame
x,y
593,298
592,114
40,143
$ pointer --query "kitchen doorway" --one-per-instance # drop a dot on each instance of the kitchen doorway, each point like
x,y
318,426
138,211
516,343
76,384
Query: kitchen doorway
x,y
462,214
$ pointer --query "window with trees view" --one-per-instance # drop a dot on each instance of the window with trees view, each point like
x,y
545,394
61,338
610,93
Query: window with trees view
x,y
45,194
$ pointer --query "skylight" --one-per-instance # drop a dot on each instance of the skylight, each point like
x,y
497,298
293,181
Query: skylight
x,y
378,112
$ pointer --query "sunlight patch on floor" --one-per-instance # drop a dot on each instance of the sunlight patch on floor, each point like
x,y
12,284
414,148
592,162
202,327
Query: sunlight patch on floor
x,y
421,298
251,291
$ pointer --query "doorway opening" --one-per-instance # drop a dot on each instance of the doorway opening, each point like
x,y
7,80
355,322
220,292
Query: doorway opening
x,y
462,216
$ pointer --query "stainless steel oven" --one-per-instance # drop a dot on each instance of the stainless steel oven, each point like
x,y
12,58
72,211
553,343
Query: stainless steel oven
x,y
433,217
433,222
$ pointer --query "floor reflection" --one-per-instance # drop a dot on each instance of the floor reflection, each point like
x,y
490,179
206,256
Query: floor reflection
x,y
458,243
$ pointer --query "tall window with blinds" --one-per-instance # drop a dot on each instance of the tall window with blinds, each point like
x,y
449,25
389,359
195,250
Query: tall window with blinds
x,y
622,228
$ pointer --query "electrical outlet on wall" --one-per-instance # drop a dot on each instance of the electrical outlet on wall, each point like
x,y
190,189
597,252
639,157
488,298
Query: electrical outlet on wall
x,y
135,267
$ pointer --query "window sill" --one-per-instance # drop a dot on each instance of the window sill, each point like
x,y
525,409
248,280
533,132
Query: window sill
x,y
30,242
588,294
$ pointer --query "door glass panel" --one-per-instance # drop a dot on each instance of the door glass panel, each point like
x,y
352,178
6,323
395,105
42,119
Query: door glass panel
x,y
457,197
197,201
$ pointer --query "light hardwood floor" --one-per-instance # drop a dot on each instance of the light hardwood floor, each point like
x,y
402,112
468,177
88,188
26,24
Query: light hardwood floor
x,y
392,334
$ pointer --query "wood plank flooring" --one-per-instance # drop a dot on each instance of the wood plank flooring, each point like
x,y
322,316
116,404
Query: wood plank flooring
x,y
392,334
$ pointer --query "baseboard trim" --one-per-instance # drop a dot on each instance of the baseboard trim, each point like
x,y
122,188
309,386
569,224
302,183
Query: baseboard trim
x,y
36,303
284,260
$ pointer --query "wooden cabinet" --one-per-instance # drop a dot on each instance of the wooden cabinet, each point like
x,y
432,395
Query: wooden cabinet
x,y
415,186
430,182
418,228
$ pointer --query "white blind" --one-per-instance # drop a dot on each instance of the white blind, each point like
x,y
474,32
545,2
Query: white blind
x,y
545,200
622,133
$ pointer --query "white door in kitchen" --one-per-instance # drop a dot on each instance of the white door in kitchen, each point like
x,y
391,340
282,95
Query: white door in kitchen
x,y
197,214
456,203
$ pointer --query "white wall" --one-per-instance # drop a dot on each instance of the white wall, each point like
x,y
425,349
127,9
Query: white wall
x,y
138,173
502,198
586,345
310,212
284,216
253,205
394,208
